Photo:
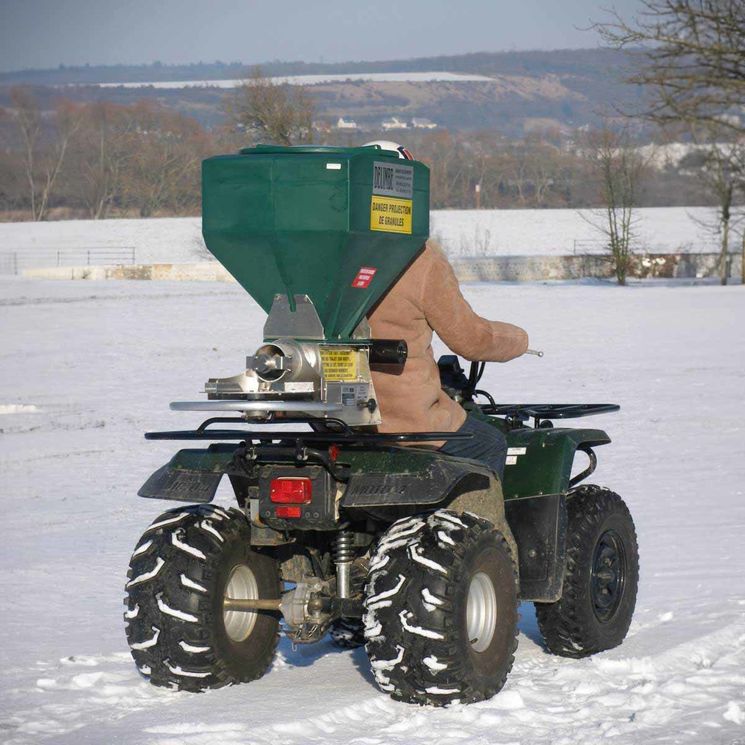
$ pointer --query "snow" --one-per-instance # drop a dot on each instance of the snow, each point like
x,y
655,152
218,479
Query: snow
x,y
17,409
145,576
164,240
562,232
433,664
375,600
416,556
175,612
100,362
191,584
186,548
405,616
431,601
463,233
368,77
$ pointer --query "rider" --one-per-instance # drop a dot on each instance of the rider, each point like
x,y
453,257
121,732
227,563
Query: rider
x,y
425,299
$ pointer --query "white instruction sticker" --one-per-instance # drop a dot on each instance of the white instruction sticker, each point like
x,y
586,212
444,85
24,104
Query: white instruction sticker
x,y
299,387
352,394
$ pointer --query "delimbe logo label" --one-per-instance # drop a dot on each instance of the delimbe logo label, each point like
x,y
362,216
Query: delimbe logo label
x,y
382,178
393,180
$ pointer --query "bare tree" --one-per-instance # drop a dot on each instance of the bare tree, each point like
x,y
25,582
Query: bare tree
x,y
162,171
280,114
620,169
43,160
444,156
98,161
722,170
721,181
12,185
693,54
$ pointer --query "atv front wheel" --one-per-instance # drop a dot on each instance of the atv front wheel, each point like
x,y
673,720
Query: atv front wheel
x,y
186,563
601,578
441,609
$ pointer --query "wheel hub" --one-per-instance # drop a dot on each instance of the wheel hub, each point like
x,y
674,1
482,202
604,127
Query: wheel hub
x,y
608,575
481,611
241,585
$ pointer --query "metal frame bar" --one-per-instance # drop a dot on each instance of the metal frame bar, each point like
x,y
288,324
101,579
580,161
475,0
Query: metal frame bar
x,y
590,453
243,405
329,437
334,431
546,411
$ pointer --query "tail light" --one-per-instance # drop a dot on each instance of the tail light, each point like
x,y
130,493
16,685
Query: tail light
x,y
291,491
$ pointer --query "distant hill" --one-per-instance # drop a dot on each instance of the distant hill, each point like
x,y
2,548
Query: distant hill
x,y
538,89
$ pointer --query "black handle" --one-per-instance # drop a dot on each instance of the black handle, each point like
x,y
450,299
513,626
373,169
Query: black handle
x,y
388,352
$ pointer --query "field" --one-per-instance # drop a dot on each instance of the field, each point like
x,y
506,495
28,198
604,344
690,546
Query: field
x,y
86,368
557,232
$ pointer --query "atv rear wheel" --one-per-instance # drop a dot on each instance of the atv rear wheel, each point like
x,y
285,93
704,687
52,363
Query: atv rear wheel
x,y
601,578
441,609
186,563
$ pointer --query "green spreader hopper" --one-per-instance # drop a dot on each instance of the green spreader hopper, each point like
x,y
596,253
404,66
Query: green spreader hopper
x,y
336,224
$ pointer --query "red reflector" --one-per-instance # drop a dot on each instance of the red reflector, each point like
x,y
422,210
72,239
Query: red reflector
x,y
288,511
291,491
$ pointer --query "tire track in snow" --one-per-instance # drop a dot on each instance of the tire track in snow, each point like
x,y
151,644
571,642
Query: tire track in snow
x,y
694,689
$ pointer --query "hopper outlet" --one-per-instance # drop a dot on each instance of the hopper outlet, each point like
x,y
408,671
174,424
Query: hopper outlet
x,y
290,378
336,226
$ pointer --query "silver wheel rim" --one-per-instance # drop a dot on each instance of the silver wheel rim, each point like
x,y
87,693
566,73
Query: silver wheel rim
x,y
241,586
481,611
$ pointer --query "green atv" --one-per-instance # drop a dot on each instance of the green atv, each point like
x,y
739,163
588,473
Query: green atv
x,y
373,538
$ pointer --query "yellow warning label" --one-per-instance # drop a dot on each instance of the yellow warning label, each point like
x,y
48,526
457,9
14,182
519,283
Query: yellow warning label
x,y
390,214
339,364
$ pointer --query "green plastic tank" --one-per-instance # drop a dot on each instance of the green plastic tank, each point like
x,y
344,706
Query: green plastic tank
x,y
336,224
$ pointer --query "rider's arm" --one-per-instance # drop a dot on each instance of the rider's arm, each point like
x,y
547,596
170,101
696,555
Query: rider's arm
x,y
454,321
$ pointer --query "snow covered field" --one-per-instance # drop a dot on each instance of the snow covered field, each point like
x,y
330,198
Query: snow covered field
x,y
372,77
462,232
86,368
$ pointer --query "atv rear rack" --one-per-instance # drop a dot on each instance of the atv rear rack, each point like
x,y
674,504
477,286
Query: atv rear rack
x,y
328,430
516,414
333,430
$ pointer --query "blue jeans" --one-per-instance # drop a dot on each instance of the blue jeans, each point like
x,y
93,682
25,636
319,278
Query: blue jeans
x,y
487,445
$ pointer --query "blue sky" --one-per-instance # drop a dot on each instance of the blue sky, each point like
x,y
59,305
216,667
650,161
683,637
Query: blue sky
x,y
46,33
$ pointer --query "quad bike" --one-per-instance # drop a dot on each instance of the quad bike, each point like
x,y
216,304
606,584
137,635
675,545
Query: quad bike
x,y
376,539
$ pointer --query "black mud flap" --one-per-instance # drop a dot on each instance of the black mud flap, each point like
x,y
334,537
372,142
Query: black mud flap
x,y
192,475
181,485
539,525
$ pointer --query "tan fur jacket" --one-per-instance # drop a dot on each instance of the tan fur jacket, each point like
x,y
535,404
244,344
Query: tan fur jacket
x,y
427,298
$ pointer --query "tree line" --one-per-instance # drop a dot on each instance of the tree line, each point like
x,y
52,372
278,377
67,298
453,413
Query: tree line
x,y
693,69
98,160
103,159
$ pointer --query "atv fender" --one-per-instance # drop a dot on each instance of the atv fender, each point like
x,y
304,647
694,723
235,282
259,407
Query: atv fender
x,y
539,461
397,482
537,478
